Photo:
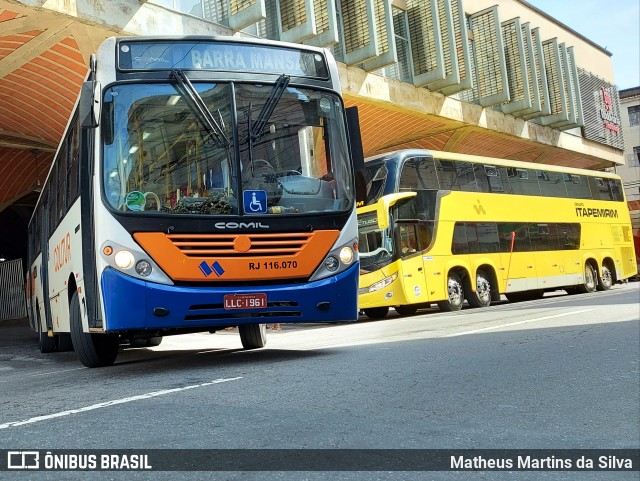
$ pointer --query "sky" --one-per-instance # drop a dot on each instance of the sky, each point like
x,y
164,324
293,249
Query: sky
x,y
612,24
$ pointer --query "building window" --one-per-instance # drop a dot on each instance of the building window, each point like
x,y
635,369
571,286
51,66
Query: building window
x,y
634,159
634,115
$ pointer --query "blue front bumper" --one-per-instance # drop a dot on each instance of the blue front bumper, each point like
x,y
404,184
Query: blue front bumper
x,y
133,304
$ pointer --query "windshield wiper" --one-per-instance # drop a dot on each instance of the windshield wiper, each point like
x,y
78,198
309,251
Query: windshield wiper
x,y
204,114
256,131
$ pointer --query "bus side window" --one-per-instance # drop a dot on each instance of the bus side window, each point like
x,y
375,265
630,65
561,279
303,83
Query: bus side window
x,y
425,235
408,240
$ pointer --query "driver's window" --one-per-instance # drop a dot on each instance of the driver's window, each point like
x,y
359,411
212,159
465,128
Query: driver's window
x,y
408,239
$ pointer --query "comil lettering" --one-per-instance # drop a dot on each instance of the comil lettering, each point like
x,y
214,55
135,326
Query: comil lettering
x,y
587,212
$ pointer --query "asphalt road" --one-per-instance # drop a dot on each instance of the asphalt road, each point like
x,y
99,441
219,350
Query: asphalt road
x,y
560,372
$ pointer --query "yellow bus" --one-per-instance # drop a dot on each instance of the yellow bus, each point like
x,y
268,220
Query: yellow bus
x,y
439,227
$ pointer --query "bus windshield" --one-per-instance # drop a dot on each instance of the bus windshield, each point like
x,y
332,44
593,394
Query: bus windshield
x,y
167,151
375,245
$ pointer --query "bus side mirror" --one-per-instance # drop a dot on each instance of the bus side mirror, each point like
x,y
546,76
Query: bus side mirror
x,y
89,106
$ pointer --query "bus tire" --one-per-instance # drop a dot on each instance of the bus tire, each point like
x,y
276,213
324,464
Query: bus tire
x,y
455,292
93,350
406,310
45,343
605,281
64,342
482,296
253,336
590,280
376,312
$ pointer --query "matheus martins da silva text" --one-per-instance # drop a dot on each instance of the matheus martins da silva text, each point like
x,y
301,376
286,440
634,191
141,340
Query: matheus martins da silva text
x,y
534,463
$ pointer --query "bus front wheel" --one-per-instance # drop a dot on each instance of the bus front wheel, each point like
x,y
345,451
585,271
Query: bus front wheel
x,y
482,296
93,350
376,312
455,292
253,336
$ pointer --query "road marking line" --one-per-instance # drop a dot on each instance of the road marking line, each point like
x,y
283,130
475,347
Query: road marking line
x,y
516,323
114,402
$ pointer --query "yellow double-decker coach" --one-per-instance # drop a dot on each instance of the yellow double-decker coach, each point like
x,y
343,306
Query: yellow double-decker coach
x,y
439,227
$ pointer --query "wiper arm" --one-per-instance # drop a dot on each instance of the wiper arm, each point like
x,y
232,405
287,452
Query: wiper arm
x,y
204,114
257,128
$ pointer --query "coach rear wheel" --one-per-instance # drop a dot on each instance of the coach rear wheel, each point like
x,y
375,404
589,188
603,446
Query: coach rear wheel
x,y
605,281
376,312
455,292
590,280
406,310
253,336
93,350
47,344
482,296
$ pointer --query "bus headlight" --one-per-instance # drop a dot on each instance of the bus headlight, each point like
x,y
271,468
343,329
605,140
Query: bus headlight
x,y
143,268
383,283
331,263
339,259
346,255
133,262
124,259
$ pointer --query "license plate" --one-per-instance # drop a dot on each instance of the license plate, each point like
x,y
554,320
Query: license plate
x,y
245,301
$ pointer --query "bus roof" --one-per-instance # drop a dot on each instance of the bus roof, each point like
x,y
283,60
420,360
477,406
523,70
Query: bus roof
x,y
401,154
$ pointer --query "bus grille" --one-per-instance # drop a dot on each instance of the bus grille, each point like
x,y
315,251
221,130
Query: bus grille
x,y
234,245
206,312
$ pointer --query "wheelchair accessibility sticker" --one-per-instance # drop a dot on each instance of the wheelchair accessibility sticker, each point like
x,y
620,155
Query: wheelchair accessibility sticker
x,y
255,201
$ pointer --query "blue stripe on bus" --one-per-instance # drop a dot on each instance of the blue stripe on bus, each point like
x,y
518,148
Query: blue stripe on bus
x,y
129,303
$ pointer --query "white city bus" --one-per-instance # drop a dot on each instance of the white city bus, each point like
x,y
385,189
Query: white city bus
x,y
201,183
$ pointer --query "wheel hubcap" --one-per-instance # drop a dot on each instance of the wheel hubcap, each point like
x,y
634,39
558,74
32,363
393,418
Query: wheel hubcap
x,y
455,292
588,275
484,290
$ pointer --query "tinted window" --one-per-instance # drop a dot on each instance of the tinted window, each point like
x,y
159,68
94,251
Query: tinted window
x,y
577,186
569,236
74,161
616,190
408,238
418,173
551,183
459,245
523,181
61,186
600,188
487,237
53,182
543,237
447,174
465,178
425,234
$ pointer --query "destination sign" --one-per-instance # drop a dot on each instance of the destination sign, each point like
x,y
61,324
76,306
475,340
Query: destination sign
x,y
220,56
